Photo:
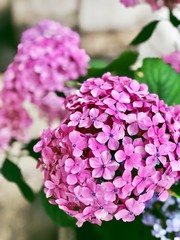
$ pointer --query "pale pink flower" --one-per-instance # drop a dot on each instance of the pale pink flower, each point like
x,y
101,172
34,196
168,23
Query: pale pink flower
x,y
80,119
129,157
99,87
133,208
124,184
90,193
103,166
144,178
78,143
98,119
158,154
105,210
52,185
96,147
111,136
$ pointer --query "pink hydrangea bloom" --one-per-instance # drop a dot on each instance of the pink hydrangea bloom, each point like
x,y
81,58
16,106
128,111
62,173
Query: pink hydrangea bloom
x,y
155,4
110,164
175,133
48,56
174,60
14,121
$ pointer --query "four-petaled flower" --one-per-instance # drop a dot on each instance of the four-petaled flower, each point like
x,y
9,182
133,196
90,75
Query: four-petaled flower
x,y
133,208
78,143
98,119
156,154
131,160
103,166
111,135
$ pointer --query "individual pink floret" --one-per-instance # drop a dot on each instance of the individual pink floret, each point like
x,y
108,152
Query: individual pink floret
x,y
103,166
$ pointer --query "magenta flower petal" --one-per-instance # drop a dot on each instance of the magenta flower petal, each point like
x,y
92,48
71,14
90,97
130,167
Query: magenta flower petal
x,y
102,137
97,172
133,129
113,144
175,165
125,215
151,149
120,156
95,162
71,179
49,184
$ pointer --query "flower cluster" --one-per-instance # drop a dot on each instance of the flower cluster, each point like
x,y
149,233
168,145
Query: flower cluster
x,y
175,133
155,4
48,56
174,60
164,218
116,149
14,120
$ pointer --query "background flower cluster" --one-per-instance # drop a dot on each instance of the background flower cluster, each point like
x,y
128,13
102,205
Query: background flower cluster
x,y
48,56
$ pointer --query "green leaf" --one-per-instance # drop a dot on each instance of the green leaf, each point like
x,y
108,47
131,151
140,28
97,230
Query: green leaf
x,y
56,214
12,173
175,190
29,147
145,33
135,230
161,79
98,63
174,20
120,66
60,94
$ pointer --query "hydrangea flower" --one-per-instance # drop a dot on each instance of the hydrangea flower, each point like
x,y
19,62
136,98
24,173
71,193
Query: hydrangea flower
x,y
48,56
14,121
155,4
174,60
110,165
166,224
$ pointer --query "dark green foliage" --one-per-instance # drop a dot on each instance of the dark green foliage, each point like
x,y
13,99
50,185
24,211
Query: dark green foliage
x,y
115,230
120,66
56,214
12,173
29,148
145,33
176,190
174,20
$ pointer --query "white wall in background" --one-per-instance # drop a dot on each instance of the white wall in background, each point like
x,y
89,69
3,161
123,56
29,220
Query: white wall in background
x,y
29,12
104,15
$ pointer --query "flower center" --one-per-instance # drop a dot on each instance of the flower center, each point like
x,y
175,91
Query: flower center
x,y
111,135
103,166
157,155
